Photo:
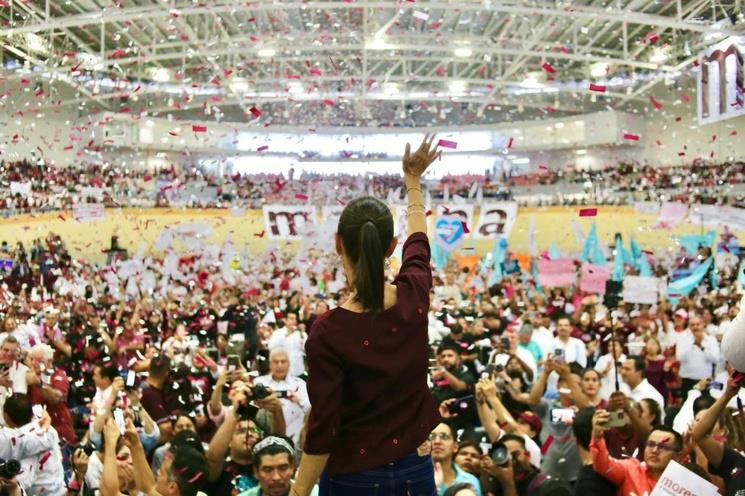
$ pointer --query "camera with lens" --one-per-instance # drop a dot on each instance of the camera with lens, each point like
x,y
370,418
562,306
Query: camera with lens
x,y
500,455
9,468
259,392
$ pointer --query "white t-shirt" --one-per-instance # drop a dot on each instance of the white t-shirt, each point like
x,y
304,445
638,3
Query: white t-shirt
x,y
17,374
293,412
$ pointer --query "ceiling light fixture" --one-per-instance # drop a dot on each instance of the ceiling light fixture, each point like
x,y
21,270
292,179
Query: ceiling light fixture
x,y
266,52
457,86
160,74
463,52
599,69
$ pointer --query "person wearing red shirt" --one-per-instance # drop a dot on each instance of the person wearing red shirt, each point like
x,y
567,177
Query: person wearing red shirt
x,y
48,386
631,475
371,410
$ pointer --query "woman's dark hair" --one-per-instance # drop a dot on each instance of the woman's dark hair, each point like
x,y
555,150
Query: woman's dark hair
x,y
456,488
654,410
366,230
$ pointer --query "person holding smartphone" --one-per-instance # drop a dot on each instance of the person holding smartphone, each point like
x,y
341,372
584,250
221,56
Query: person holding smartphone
x,y
368,358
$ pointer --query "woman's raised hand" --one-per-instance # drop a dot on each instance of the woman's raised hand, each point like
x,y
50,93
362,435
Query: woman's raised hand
x,y
416,164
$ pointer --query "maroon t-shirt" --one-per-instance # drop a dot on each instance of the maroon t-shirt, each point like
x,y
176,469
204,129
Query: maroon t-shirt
x,y
367,375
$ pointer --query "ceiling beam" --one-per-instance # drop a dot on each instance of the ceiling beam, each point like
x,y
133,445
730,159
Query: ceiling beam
x,y
186,9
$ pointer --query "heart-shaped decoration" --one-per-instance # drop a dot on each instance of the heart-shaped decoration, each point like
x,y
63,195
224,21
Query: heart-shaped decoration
x,y
449,232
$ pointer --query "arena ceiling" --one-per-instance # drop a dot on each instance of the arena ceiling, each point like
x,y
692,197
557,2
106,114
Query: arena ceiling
x,y
357,62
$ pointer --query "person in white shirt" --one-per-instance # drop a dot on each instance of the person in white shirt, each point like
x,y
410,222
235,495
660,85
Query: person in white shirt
x,y
12,372
41,458
636,387
698,354
103,378
291,391
292,339
685,415
179,347
606,367
574,349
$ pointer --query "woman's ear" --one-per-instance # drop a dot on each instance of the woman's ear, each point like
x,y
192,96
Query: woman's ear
x,y
339,247
391,247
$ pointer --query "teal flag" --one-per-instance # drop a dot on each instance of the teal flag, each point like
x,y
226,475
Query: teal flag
x,y
591,251
553,252
440,256
691,242
683,286
644,268
618,261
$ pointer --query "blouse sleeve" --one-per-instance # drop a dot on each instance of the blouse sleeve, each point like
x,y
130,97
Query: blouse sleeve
x,y
416,271
325,383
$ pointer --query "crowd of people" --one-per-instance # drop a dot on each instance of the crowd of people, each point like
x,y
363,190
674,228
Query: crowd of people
x,y
114,186
187,381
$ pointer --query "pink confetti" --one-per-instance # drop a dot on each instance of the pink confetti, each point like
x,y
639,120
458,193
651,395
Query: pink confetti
x,y
120,52
447,144
262,148
196,477
256,112
198,128
733,133
548,68
328,102
631,136
588,212
655,102
598,87
316,72
685,98
550,109
300,196
465,227
652,38
509,143
428,213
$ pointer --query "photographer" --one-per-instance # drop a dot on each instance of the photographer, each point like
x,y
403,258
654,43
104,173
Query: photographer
x,y
236,437
497,421
269,418
561,458
515,476
294,395
453,380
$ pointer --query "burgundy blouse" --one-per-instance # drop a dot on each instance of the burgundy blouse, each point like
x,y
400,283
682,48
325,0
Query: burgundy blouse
x,y
367,375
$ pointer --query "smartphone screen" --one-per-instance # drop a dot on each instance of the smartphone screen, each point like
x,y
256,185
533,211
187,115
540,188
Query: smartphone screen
x,y
461,404
562,415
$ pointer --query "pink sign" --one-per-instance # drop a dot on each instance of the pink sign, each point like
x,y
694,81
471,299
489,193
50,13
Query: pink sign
x,y
559,272
593,278
671,214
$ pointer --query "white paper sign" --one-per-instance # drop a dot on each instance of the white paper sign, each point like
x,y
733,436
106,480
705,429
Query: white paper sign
x,y
496,219
84,212
677,480
23,189
639,289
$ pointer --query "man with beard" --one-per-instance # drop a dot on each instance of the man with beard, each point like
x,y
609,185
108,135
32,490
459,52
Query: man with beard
x,y
451,380
516,477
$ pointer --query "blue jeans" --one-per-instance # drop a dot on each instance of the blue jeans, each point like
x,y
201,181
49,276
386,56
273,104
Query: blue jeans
x,y
412,475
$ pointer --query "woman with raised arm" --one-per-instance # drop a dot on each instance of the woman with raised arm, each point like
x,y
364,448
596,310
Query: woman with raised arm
x,y
368,358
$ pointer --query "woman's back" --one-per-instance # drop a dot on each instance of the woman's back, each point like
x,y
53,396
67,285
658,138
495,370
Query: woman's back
x,y
367,377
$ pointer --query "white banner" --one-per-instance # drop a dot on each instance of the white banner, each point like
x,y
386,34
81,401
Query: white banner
x,y
496,219
84,212
463,211
639,289
23,189
677,480
713,216
647,207
286,221
92,191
